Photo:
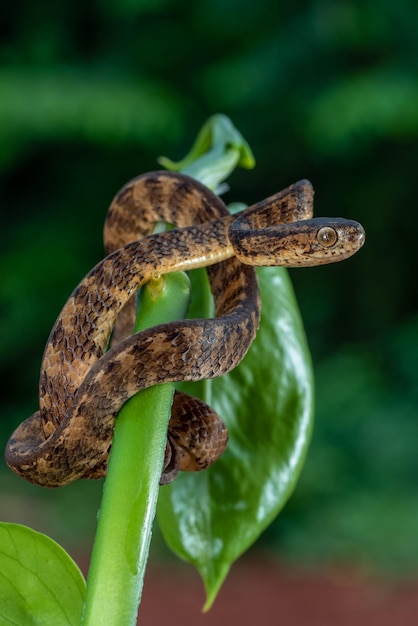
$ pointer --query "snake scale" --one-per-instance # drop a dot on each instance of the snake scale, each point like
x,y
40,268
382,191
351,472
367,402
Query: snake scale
x,y
83,384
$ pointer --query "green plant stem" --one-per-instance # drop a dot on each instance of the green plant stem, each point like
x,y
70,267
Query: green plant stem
x,y
130,493
121,545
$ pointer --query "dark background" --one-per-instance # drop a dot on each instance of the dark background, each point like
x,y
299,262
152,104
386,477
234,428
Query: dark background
x,y
91,93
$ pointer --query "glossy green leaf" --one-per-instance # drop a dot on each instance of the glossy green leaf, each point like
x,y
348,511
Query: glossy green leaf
x,y
40,584
211,518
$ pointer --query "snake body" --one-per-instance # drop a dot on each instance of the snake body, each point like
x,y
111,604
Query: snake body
x,y
83,385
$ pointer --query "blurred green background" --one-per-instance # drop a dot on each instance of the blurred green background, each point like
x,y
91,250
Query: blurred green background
x,y
92,93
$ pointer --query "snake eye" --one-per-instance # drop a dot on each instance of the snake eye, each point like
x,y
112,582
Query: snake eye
x,y
327,236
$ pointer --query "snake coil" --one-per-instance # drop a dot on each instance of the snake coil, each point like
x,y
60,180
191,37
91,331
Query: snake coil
x,y
83,385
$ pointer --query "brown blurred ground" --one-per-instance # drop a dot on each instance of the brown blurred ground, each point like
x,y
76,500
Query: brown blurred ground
x,y
261,593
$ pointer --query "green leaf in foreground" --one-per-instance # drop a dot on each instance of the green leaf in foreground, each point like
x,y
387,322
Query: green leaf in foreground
x,y
40,584
211,518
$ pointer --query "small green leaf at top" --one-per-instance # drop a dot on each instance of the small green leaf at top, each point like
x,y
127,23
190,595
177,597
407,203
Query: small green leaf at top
x,y
40,585
213,517
219,148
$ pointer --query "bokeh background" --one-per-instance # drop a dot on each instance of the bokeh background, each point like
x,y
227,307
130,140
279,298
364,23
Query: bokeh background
x,y
91,93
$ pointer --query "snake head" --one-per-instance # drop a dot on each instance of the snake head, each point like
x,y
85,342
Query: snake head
x,y
333,239
316,241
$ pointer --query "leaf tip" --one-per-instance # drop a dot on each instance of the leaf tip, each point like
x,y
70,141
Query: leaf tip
x,y
213,582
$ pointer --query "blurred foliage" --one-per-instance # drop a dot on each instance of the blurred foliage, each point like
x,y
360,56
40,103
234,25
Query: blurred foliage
x,y
92,93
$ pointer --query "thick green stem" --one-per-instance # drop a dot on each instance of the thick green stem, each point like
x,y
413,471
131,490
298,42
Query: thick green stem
x,y
124,528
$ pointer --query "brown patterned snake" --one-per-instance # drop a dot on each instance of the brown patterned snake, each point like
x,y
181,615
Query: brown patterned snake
x,y
83,386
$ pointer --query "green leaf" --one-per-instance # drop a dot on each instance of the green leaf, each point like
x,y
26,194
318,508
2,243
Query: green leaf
x,y
40,584
218,149
211,518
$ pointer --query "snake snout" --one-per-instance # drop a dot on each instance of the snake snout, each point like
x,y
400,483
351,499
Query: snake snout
x,y
361,235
